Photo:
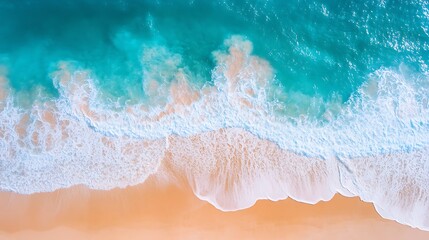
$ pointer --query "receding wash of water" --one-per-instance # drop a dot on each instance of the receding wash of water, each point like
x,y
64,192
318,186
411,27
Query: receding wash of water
x,y
245,99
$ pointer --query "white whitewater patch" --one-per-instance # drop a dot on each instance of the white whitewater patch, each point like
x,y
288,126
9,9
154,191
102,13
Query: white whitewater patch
x,y
226,139
45,148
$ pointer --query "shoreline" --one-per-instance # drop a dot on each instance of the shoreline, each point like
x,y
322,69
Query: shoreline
x,y
164,211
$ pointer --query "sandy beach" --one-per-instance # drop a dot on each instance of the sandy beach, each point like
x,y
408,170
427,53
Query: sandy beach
x,y
151,211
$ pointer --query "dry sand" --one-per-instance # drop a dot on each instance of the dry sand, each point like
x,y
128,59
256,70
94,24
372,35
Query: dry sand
x,y
151,211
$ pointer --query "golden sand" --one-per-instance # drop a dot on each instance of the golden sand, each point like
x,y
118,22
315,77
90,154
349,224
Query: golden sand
x,y
152,211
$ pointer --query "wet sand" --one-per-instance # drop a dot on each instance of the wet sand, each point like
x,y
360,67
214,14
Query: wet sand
x,y
153,211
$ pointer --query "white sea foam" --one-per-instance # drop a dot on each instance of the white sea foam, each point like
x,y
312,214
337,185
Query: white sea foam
x,y
226,139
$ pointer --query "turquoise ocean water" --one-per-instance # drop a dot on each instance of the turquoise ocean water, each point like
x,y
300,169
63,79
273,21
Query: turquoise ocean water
x,y
321,48
92,91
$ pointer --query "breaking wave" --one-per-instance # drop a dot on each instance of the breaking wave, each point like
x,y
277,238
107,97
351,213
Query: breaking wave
x,y
231,141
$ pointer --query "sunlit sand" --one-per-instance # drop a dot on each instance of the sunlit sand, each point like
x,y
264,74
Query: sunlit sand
x,y
152,211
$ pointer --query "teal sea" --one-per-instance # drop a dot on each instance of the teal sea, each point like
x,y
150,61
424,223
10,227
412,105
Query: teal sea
x,y
330,95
